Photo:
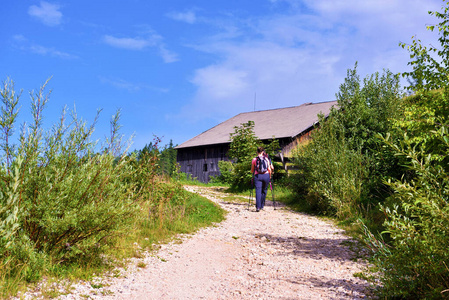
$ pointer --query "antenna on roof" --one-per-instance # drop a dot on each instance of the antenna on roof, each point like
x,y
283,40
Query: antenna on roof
x,y
254,101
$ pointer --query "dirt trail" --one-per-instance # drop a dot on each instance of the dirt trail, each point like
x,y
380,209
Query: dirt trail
x,y
272,254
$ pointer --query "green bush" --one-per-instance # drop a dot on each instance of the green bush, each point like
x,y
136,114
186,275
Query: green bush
x,y
61,200
342,169
415,263
10,210
333,176
226,171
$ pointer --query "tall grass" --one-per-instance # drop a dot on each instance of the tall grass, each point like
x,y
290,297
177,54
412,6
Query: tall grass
x,y
172,211
332,175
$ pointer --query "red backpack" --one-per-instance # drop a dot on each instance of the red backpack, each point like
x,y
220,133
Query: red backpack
x,y
262,164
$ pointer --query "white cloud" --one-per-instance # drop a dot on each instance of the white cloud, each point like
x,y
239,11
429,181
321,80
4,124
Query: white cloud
x,y
377,17
129,86
120,84
128,43
50,51
142,43
167,55
302,55
22,43
47,13
188,16
278,76
220,82
19,38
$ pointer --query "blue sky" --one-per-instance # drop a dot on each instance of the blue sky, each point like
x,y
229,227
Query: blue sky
x,y
177,68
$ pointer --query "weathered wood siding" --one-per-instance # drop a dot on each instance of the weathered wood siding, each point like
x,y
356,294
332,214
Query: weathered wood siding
x,y
291,144
202,162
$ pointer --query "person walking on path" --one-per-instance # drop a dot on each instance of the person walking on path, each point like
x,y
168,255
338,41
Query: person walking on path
x,y
261,169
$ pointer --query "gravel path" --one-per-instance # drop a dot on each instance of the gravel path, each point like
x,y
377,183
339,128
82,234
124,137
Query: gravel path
x,y
272,254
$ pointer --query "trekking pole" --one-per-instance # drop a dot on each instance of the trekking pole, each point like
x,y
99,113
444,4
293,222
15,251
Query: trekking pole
x,y
272,194
250,194
250,197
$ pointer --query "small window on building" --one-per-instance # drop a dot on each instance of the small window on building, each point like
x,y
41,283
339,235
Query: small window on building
x,y
205,167
212,166
189,168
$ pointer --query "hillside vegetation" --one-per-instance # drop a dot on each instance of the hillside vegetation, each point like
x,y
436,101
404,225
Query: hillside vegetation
x,y
380,162
70,208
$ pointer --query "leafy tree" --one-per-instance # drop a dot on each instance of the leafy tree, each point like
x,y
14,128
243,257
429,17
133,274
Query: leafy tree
x,y
152,148
366,108
343,167
242,150
167,159
430,63
428,109
425,113
166,156
244,143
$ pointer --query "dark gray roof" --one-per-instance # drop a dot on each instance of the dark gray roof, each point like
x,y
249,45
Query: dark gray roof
x,y
280,123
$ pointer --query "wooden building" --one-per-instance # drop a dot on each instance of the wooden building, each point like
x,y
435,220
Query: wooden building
x,y
200,155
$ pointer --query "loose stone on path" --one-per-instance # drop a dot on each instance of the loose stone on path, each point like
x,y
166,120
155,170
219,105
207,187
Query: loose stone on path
x,y
273,254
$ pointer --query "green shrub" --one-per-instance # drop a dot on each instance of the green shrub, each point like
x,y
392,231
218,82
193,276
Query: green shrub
x,y
226,171
342,169
415,263
61,199
9,210
332,175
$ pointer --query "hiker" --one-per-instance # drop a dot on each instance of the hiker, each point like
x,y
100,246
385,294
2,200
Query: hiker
x,y
261,170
